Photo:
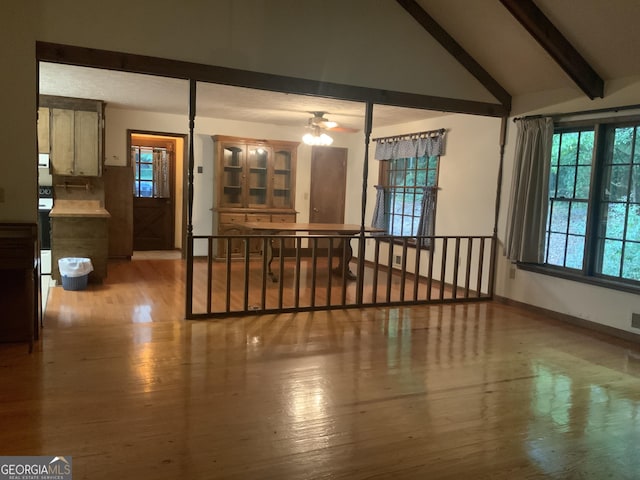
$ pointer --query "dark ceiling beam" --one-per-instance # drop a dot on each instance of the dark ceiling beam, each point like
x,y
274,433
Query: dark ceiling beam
x,y
126,62
550,38
448,42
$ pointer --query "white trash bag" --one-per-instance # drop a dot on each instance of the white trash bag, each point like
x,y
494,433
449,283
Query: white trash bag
x,y
75,267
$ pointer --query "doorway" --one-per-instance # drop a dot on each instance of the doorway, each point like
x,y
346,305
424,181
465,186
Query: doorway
x,y
157,201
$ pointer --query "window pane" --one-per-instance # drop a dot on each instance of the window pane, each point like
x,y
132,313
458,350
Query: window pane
x,y
575,251
555,254
583,182
585,149
146,155
612,253
560,216
569,148
146,189
566,181
633,223
634,194
555,148
631,265
146,171
617,187
614,219
622,145
578,222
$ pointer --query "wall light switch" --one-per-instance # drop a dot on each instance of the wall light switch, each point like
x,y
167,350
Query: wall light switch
x,y
200,169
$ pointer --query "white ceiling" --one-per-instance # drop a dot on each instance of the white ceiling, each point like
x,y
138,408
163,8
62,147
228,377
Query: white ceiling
x,y
169,95
604,32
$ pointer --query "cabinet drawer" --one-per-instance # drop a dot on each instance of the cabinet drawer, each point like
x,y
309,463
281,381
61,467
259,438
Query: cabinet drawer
x,y
232,217
254,217
284,218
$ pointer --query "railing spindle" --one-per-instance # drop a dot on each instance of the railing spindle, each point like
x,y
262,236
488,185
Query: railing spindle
x,y
480,267
443,267
467,279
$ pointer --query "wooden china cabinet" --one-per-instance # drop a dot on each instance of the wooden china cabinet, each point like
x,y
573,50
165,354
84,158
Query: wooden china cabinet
x,y
255,182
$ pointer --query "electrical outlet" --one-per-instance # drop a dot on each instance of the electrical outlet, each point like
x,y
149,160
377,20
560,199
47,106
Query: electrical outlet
x,y
635,320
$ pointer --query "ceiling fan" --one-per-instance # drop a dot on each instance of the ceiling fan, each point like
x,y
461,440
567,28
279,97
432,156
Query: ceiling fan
x,y
319,121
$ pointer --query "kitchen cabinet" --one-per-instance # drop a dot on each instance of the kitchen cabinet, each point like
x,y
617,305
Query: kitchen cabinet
x,y
75,135
43,130
80,229
255,181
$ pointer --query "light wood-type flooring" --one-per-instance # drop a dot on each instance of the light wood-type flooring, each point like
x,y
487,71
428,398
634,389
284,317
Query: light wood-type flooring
x,y
129,390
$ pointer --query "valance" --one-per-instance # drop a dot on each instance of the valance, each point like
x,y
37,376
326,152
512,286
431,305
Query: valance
x,y
406,147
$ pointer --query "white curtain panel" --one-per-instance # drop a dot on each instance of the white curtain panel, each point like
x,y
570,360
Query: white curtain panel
x,y
161,173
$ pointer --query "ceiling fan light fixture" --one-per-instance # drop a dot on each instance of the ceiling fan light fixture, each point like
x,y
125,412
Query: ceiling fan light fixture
x,y
315,138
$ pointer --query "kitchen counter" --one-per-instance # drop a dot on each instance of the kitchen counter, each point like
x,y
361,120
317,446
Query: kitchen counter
x,y
79,228
78,208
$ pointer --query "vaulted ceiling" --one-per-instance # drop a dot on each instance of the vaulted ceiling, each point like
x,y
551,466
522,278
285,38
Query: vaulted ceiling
x,y
512,47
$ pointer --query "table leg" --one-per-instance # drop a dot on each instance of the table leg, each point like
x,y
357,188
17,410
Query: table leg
x,y
269,254
343,266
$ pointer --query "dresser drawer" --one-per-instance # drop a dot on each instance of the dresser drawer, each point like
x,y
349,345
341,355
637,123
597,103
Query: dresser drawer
x,y
232,217
284,218
256,217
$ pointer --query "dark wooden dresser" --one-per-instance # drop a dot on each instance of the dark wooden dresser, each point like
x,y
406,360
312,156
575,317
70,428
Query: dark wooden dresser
x,y
19,283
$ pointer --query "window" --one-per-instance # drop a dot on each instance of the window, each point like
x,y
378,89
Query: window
x,y
151,172
403,179
593,225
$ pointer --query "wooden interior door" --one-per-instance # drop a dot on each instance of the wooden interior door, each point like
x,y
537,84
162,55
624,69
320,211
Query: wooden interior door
x,y
153,218
328,187
327,192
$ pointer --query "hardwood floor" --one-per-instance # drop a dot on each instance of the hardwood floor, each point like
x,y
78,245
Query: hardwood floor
x,y
128,389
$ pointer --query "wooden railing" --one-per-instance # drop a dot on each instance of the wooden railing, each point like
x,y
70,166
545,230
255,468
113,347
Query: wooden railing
x,y
314,273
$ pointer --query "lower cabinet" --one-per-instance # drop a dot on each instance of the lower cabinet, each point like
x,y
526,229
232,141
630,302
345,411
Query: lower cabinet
x,y
84,237
230,223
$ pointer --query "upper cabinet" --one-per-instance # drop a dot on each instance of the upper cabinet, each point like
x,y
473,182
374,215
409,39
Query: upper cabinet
x,y
43,130
75,135
255,174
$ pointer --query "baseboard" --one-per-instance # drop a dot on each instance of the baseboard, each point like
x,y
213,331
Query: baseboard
x,y
576,321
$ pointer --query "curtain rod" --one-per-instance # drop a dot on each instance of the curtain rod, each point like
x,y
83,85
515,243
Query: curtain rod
x,y
583,112
441,131
407,187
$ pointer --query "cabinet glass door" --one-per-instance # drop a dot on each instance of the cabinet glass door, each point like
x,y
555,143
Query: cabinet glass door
x,y
282,179
257,163
232,175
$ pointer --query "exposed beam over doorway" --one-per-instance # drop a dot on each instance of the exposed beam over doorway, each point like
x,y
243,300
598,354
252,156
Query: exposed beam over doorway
x,y
560,49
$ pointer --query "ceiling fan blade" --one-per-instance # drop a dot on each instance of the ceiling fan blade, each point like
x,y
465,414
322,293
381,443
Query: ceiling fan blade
x,y
344,129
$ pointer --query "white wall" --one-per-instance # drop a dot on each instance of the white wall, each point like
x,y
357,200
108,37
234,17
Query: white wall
x,y
467,180
598,304
18,162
